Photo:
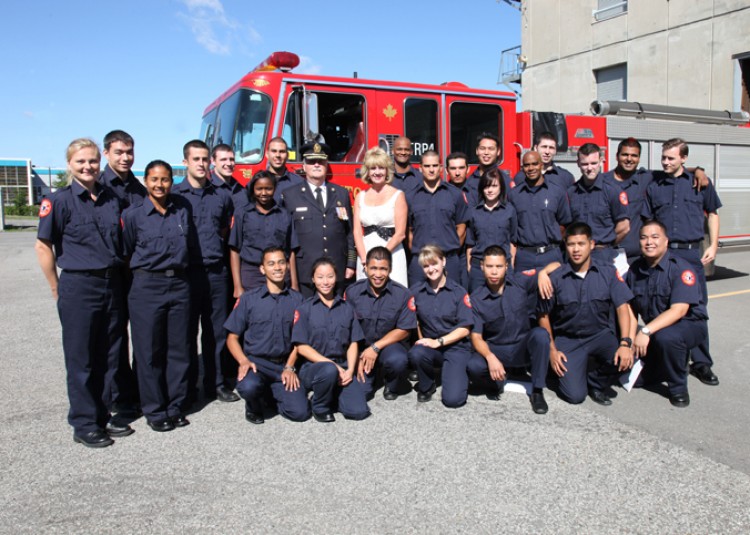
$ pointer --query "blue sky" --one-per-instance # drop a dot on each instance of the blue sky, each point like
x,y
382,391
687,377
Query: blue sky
x,y
82,68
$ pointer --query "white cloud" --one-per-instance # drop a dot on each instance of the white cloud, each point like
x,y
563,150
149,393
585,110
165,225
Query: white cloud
x,y
307,66
211,27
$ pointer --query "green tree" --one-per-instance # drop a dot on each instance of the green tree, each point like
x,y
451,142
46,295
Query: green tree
x,y
61,181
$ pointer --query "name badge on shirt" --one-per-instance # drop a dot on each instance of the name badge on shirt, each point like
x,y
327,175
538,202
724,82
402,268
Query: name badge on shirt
x,y
301,209
341,213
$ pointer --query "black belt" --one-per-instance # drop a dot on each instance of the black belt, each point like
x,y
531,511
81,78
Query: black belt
x,y
384,232
211,268
170,273
539,249
685,244
107,273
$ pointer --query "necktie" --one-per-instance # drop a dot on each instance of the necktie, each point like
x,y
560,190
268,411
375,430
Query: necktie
x,y
319,198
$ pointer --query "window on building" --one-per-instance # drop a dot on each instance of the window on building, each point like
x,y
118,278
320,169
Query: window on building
x,y
421,125
606,9
612,82
468,121
745,83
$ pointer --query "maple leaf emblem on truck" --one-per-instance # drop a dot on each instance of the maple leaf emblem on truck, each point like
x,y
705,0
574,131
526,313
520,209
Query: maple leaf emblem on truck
x,y
390,112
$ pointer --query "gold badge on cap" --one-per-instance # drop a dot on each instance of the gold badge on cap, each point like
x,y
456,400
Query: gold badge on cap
x,y
316,149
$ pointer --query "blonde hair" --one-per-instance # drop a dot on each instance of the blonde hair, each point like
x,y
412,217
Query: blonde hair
x,y
75,146
376,157
430,254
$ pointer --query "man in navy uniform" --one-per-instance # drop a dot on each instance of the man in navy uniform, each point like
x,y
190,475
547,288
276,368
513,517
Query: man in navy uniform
x,y
119,178
542,209
222,175
322,214
264,318
599,204
488,153
386,311
672,199
457,167
546,146
277,153
668,299
209,275
579,319
502,333
405,176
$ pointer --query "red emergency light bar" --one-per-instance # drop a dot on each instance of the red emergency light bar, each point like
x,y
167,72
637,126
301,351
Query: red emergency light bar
x,y
283,61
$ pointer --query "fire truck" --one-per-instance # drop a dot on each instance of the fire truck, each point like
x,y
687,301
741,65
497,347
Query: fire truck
x,y
352,114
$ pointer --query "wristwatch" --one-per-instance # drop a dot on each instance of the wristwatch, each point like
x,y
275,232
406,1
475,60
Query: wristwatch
x,y
290,368
626,342
441,341
375,348
645,330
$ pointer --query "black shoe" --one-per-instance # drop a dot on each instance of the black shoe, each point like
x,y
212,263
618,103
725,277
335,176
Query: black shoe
x,y
705,375
538,403
680,400
162,425
493,395
324,417
389,394
226,395
180,421
413,376
116,429
94,439
127,410
254,417
424,397
597,396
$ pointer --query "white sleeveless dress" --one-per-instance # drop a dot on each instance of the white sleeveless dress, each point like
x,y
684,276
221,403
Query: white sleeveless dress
x,y
382,216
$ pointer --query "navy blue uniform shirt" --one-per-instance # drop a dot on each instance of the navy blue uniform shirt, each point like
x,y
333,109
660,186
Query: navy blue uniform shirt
x,y
157,242
212,210
472,181
601,205
253,231
287,180
582,307
635,189
491,227
329,331
443,312
378,315
679,206
540,210
130,191
505,319
672,280
554,175
433,216
85,233
408,181
264,321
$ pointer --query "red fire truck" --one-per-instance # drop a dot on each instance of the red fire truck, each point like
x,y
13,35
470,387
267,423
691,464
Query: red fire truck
x,y
352,115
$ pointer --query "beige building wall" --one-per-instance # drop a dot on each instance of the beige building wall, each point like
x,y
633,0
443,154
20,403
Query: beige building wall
x,y
678,52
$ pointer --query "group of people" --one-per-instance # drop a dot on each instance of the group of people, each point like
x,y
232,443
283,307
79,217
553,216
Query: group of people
x,y
293,289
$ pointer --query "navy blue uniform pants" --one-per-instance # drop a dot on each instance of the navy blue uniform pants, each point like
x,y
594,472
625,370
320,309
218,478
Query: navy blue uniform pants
x,y
323,379
453,269
159,316
455,380
667,356
393,361
533,349
578,379
209,295
125,384
292,405
526,260
90,309
701,353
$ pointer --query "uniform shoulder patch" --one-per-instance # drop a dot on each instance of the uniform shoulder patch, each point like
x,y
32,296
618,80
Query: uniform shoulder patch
x,y
122,223
529,272
236,303
619,277
467,300
296,316
45,208
465,199
688,277
623,198
512,184
412,304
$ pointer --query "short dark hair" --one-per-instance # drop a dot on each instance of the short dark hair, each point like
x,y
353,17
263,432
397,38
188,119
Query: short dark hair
x,y
656,222
487,178
545,135
158,163
323,261
588,149
379,253
495,250
629,142
256,177
193,144
118,135
429,153
578,228
676,142
277,139
272,249
456,156
490,136
220,147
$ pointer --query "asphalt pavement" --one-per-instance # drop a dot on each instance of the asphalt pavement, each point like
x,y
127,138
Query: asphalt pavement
x,y
640,466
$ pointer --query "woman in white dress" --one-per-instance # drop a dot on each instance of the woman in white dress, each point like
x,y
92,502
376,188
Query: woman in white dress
x,y
380,214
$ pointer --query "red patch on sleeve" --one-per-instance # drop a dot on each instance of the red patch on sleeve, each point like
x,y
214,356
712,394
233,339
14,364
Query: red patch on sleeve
x,y
465,199
529,272
688,277
122,223
619,277
45,208
623,198
236,303
467,301
412,304
512,184
296,316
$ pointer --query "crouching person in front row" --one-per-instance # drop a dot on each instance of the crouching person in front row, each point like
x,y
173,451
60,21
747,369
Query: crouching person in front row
x,y
264,318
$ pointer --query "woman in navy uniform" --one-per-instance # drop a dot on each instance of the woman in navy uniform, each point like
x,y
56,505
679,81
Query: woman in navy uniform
x,y
327,333
79,232
491,222
260,224
156,235
445,320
